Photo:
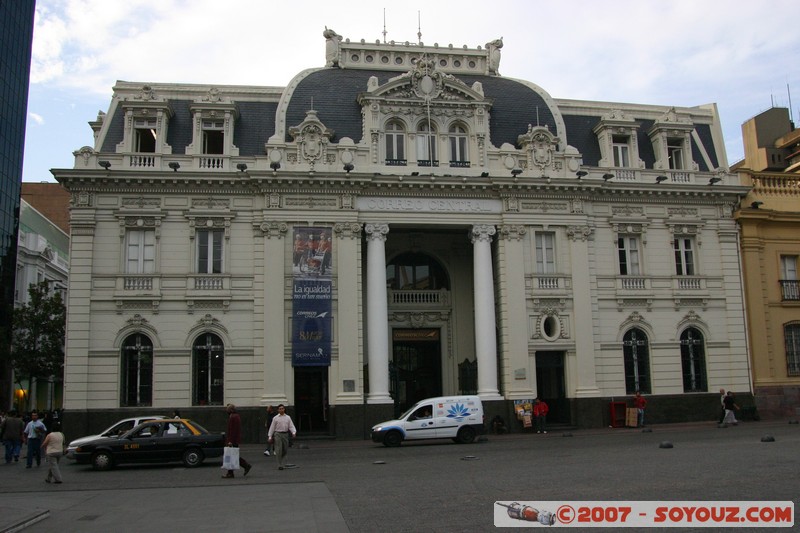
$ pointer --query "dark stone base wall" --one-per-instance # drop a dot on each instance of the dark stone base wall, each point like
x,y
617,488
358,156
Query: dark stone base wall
x,y
355,421
777,402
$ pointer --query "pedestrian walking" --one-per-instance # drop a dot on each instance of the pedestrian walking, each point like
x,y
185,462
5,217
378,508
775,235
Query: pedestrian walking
x,y
11,435
721,405
639,403
53,446
279,431
540,410
730,406
271,414
34,431
234,438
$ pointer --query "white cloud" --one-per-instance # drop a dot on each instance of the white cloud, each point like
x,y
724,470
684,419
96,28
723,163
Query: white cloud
x,y
682,52
38,119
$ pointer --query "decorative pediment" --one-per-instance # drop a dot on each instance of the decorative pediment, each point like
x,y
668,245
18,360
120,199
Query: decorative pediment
x,y
540,145
673,122
427,83
312,138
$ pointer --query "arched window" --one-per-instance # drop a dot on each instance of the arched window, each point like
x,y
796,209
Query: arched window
x,y
416,271
636,351
208,369
137,371
395,144
459,154
426,146
693,361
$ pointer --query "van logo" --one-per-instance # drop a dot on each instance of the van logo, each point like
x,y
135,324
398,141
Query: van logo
x,y
458,410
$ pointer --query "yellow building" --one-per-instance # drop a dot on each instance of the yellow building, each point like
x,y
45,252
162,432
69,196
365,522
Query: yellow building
x,y
770,232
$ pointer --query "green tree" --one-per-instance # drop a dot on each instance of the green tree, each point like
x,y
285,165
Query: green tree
x,y
37,347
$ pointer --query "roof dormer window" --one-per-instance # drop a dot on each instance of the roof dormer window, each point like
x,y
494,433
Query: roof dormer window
x,y
145,135
213,137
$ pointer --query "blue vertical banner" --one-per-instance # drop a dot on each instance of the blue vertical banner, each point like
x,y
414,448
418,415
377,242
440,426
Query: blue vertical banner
x,y
311,297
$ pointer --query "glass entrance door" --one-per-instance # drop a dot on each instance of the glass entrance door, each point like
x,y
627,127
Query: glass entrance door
x,y
551,386
416,368
311,399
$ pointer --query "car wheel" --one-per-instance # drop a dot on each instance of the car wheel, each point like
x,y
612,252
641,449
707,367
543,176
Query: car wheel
x,y
102,461
192,457
392,439
465,435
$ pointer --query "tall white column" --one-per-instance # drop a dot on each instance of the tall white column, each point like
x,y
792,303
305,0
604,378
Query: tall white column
x,y
586,376
485,331
377,314
277,384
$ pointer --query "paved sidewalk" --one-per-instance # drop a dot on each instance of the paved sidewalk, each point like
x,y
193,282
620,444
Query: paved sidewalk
x,y
244,507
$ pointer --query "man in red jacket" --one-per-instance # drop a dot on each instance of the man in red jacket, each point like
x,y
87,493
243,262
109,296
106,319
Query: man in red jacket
x,y
639,403
540,410
234,436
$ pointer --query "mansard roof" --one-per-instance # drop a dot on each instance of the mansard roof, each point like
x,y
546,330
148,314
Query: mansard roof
x,y
335,98
334,92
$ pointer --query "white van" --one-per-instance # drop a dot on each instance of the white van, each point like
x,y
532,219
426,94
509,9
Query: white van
x,y
447,417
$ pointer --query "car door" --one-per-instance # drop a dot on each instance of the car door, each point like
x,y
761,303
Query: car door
x,y
141,445
420,423
174,440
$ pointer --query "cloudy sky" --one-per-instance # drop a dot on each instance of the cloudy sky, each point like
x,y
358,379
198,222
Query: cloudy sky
x,y
741,55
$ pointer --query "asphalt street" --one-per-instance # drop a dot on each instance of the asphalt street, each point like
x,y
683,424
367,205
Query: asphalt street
x,y
359,486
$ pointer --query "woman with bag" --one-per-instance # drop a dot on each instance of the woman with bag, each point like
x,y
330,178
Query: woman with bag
x,y
231,460
53,448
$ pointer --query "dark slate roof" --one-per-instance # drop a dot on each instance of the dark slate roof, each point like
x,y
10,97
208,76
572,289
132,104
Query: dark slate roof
x,y
581,136
335,91
115,131
256,124
646,152
704,132
254,127
179,134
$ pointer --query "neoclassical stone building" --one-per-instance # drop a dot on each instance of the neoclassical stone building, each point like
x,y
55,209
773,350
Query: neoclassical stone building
x,y
402,222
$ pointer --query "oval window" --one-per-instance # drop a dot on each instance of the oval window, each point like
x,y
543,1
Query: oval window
x,y
551,327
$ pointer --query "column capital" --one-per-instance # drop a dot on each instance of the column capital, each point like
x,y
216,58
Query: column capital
x,y
512,232
345,230
376,232
271,228
482,233
580,233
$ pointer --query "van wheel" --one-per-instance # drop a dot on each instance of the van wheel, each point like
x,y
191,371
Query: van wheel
x,y
392,439
466,435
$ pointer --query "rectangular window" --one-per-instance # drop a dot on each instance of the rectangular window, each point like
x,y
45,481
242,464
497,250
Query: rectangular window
x,y
213,137
628,250
792,334
790,286
426,149
675,153
545,253
789,267
140,252
209,251
621,151
458,147
395,145
146,135
684,256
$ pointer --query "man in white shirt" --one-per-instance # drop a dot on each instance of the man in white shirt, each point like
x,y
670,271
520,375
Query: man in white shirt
x,y
279,431
34,433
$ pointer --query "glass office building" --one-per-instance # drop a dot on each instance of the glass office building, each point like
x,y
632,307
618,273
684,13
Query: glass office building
x,y
16,36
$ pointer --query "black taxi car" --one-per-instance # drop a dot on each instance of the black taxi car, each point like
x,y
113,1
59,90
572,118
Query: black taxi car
x,y
156,441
